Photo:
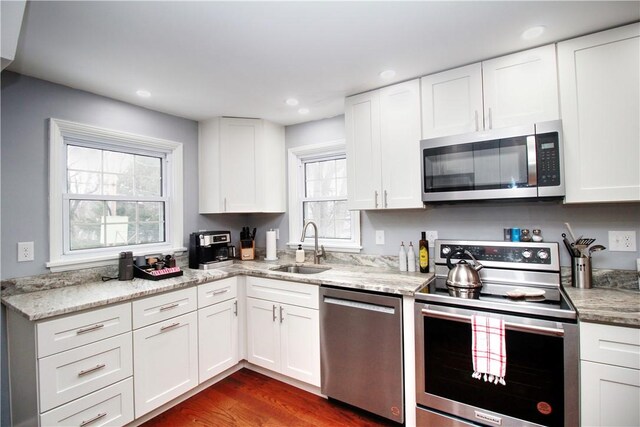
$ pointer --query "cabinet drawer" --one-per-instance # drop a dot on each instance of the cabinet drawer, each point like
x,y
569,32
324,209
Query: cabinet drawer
x,y
300,294
164,306
75,330
614,345
111,406
218,291
74,373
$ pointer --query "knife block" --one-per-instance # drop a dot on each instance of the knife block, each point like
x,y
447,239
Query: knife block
x,y
247,250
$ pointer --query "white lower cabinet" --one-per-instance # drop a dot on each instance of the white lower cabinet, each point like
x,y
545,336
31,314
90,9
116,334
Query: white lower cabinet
x,y
281,336
111,406
609,375
217,338
165,361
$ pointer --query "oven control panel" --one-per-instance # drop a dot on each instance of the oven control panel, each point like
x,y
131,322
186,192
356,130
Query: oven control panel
x,y
521,253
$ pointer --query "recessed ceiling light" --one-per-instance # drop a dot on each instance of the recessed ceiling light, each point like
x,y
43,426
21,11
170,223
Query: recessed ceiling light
x,y
143,93
292,102
533,32
388,74
303,111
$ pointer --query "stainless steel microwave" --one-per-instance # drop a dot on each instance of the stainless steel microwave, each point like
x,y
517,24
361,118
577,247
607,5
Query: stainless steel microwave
x,y
515,162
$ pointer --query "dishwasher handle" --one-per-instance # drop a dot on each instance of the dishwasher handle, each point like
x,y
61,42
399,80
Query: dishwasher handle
x,y
359,305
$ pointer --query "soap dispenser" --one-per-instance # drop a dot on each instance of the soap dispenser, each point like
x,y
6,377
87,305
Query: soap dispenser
x,y
300,254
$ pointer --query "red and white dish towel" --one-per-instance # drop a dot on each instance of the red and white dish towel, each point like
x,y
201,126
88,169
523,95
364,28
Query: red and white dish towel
x,y
488,349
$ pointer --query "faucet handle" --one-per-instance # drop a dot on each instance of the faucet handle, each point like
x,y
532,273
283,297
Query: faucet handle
x,y
322,254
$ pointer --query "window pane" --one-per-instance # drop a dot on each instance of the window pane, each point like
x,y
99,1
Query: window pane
x,y
85,212
341,168
120,163
321,178
150,232
332,217
85,237
117,185
85,159
150,211
83,182
148,176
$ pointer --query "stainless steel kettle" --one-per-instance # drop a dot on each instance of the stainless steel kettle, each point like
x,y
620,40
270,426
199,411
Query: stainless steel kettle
x,y
463,279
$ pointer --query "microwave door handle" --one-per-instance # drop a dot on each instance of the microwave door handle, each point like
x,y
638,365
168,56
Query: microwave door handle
x,y
532,175
539,330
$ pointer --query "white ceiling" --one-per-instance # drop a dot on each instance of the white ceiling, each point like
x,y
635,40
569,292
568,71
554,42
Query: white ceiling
x,y
206,59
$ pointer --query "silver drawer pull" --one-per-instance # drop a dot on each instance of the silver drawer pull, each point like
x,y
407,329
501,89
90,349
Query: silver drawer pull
x,y
169,307
96,418
90,329
173,325
88,371
220,291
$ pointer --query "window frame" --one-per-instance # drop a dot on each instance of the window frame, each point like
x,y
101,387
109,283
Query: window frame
x,y
296,159
60,259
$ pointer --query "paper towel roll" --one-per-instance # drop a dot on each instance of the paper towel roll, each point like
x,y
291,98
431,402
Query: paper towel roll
x,y
271,246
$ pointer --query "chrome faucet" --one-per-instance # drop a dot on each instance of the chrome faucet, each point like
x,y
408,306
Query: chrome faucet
x,y
317,254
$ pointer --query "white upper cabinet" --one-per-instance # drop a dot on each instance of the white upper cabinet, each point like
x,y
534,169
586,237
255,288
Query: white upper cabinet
x,y
241,166
452,102
512,90
383,140
521,88
600,99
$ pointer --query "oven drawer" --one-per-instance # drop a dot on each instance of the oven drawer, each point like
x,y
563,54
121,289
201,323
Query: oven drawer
x,y
112,406
614,345
75,373
425,417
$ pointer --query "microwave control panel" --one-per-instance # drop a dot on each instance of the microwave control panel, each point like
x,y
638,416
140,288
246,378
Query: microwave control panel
x,y
548,159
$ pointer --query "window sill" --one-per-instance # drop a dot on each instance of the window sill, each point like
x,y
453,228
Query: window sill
x,y
79,262
330,246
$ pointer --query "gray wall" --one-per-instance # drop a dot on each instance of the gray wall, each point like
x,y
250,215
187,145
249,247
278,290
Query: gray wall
x,y
482,220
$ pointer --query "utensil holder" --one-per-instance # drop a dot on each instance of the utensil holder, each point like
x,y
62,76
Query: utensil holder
x,y
581,272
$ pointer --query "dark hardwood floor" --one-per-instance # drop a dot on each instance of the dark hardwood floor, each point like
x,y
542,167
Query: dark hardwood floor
x,y
247,398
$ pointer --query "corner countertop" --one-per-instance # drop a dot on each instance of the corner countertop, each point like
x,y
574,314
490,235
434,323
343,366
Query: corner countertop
x,y
616,307
38,299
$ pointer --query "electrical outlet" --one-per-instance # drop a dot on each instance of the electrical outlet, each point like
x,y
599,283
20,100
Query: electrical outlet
x,y
623,241
25,251
379,237
432,236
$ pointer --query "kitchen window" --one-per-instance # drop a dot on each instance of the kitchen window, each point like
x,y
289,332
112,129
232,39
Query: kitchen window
x,y
111,192
318,192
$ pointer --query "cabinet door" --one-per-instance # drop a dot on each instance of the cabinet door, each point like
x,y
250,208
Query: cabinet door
x,y
452,102
217,338
210,200
521,88
600,98
400,145
263,334
609,395
362,129
165,361
239,139
300,343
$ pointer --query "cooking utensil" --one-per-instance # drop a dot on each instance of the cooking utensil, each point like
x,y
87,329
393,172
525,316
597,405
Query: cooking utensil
x,y
573,236
569,247
596,248
463,279
585,241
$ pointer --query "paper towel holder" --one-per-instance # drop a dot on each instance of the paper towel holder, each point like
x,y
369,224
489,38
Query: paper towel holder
x,y
271,245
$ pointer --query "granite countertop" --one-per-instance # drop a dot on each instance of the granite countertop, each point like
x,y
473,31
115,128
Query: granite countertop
x,y
606,305
47,296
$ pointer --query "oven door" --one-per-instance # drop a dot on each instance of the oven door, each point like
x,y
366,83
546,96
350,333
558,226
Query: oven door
x,y
541,376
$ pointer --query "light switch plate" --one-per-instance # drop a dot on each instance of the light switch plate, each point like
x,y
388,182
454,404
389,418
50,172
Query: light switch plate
x,y
379,237
622,241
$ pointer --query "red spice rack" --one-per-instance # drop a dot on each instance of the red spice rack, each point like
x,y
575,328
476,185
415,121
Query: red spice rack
x,y
163,273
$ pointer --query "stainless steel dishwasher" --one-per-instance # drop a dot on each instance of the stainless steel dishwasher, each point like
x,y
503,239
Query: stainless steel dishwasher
x,y
361,350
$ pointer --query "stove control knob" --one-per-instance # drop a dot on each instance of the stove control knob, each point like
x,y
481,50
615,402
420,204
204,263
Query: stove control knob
x,y
446,250
543,255
526,254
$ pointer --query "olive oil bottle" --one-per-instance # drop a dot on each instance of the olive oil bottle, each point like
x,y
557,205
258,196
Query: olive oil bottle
x,y
423,252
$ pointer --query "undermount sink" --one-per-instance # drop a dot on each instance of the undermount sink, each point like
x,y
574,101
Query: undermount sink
x,y
300,269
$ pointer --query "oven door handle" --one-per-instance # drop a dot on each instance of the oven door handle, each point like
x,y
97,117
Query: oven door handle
x,y
540,330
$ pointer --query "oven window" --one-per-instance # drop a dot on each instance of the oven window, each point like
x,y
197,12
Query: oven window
x,y
534,375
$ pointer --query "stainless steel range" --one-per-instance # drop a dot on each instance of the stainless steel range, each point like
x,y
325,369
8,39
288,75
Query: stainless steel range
x,y
521,285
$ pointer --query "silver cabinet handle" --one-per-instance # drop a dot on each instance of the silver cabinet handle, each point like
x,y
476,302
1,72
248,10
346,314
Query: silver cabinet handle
x,y
173,325
490,119
375,194
224,209
385,199
90,329
281,314
477,122
274,313
94,419
220,291
169,307
532,171
88,371
235,308
540,330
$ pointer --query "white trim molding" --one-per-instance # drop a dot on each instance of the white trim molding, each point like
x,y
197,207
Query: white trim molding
x,y
296,156
61,129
